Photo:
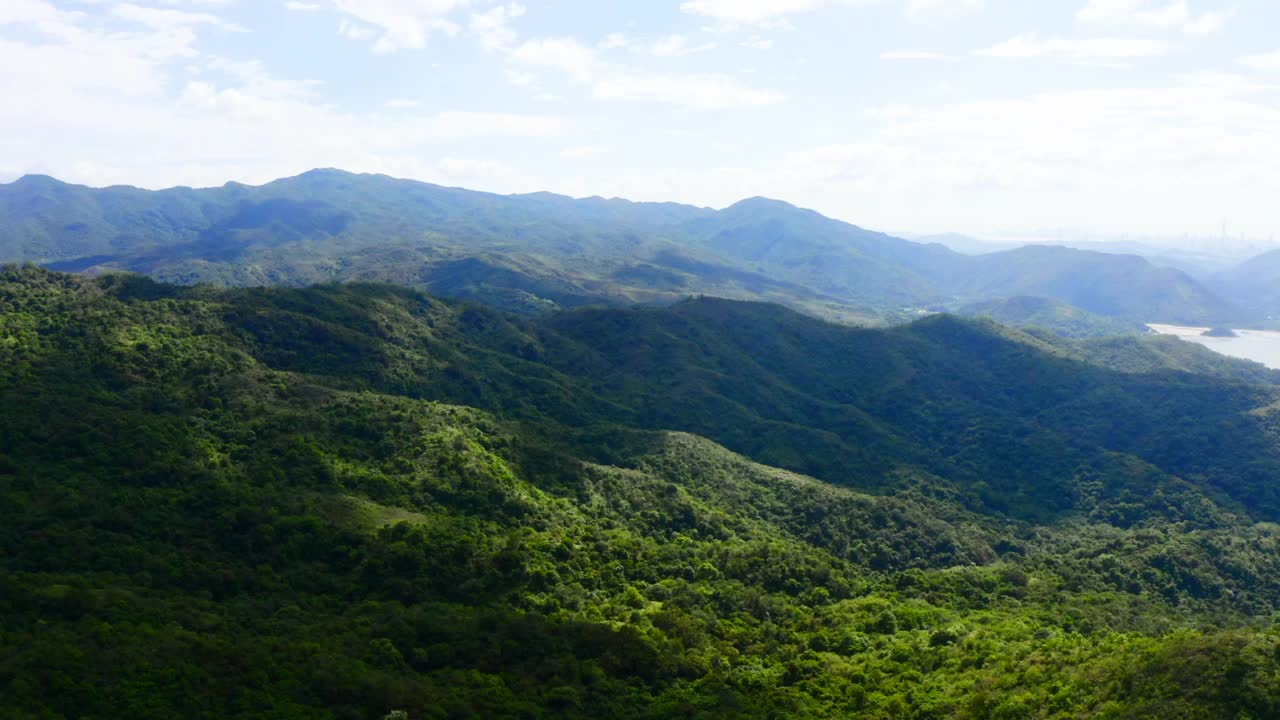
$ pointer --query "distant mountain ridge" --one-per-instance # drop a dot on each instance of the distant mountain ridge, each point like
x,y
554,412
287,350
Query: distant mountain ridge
x,y
541,250
1255,285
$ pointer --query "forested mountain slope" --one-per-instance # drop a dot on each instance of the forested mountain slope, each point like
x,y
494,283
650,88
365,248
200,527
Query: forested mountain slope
x,y
1254,284
539,252
1059,317
344,500
1115,343
1154,353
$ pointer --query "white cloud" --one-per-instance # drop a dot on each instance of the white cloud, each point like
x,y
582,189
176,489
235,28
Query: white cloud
x,y
773,14
302,6
1032,45
402,104
756,42
748,12
165,19
1262,61
74,58
612,41
37,13
355,31
521,79
471,173
310,120
459,125
912,55
252,77
403,24
609,81
700,92
564,54
666,46
54,70
492,26
584,152
677,45
920,8
1175,15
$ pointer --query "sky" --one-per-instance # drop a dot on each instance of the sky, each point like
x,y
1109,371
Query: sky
x,y
1124,118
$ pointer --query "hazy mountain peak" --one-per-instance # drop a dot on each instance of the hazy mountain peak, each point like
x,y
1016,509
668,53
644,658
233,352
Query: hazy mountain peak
x,y
320,173
37,180
761,204
552,197
321,177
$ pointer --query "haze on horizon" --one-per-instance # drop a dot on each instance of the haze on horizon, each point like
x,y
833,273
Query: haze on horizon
x,y
1112,117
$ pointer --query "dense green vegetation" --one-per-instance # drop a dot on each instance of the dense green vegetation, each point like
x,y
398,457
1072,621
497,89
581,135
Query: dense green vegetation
x,y
541,252
348,500
1160,353
1058,317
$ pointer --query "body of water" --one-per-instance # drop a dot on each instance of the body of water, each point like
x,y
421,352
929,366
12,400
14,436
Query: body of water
x,y
1260,345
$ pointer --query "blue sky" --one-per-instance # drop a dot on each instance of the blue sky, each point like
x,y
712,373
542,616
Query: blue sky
x,y
1156,117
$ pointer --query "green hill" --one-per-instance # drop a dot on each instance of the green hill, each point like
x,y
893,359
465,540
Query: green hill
x,y
340,501
1157,353
1120,286
1115,343
1058,317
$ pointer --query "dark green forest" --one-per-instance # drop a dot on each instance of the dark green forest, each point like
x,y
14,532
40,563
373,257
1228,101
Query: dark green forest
x,y
350,500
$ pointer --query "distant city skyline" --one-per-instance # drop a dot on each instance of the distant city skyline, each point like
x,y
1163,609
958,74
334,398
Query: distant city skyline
x,y
1118,118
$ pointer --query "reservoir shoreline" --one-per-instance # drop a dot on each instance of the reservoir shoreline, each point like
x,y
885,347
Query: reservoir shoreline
x,y
1258,345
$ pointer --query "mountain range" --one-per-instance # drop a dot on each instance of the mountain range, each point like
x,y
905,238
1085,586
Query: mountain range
x,y
539,252
345,446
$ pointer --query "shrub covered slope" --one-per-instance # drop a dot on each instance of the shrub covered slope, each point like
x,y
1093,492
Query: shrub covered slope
x,y
339,501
